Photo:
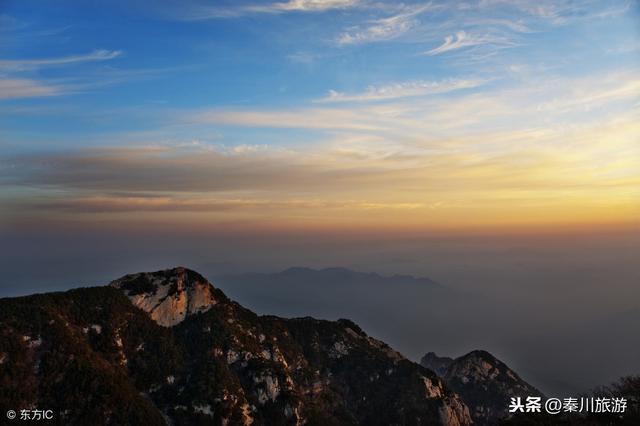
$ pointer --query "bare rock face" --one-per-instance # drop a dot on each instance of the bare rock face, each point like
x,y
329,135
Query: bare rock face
x,y
483,382
168,296
454,412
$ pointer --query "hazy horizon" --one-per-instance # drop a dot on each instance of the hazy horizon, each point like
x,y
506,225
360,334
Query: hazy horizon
x,y
559,310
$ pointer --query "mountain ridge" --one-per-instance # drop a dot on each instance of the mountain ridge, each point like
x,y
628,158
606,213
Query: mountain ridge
x,y
336,271
102,354
484,383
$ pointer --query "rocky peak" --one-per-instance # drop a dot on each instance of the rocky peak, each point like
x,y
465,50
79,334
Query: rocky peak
x,y
438,364
481,367
483,382
168,296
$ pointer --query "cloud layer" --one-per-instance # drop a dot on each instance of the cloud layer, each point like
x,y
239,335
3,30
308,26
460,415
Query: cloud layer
x,y
381,161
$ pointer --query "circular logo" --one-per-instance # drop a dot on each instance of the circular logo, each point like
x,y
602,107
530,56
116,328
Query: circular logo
x,y
11,414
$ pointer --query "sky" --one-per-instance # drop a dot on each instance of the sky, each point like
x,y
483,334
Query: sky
x,y
323,114
491,145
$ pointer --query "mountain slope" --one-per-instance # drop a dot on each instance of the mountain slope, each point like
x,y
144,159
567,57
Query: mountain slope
x,y
169,348
484,383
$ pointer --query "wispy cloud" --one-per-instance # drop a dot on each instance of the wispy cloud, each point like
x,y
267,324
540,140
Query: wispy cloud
x,y
201,11
300,118
24,64
462,39
385,28
517,26
403,90
527,104
617,87
561,11
15,88
305,6
14,83
546,9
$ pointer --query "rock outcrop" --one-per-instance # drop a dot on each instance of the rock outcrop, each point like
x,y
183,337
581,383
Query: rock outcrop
x,y
483,382
168,296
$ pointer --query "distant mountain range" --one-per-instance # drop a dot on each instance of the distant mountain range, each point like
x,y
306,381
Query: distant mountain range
x,y
327,285
385,303
168,347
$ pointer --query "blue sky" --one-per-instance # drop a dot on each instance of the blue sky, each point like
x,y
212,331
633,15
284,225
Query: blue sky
x,y
181,55
394,95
